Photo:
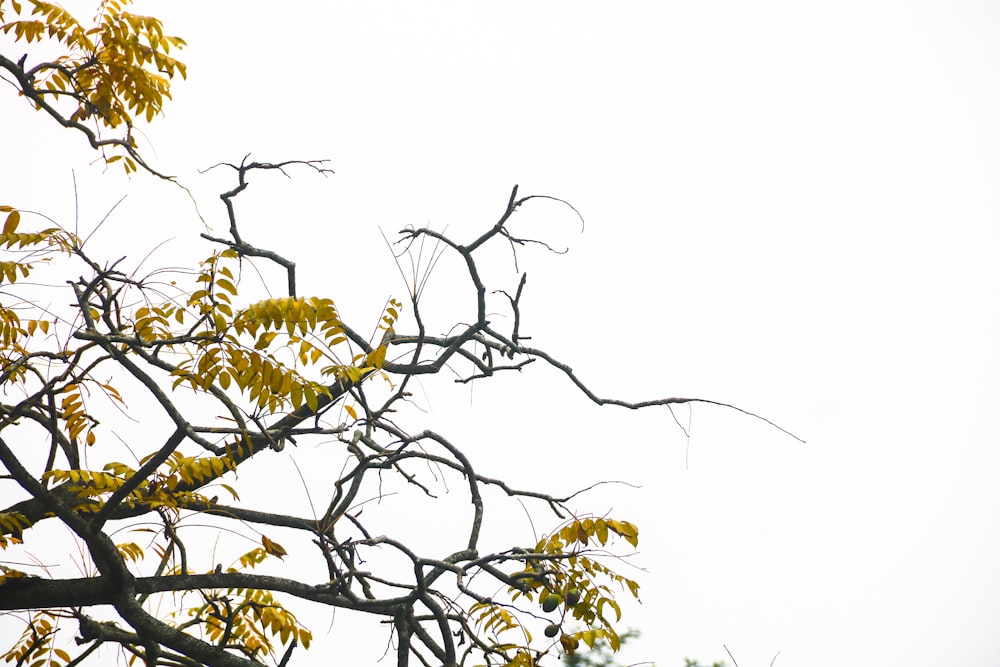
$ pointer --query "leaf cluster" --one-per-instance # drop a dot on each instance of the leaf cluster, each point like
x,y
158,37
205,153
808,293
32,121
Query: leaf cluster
x,y
108,72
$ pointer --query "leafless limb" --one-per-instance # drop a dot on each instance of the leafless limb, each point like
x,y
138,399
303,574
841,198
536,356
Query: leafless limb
x,y
238,244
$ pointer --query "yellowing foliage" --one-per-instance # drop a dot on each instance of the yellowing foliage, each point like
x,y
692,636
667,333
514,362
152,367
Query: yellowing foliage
x,y
12,523
34,647
38,247
110,70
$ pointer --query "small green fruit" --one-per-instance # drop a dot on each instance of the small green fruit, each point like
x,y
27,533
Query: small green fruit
x,y
550,602
551,630
572,597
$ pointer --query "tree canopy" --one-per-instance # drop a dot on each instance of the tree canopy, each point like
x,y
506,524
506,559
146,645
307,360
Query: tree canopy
x,y
223,369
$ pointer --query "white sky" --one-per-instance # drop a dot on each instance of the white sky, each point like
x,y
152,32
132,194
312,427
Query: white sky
x,y
790,206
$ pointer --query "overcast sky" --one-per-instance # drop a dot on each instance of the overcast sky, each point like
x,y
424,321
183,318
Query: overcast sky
x,y
791,207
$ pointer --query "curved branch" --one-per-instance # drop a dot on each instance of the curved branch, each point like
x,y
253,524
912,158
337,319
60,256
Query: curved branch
x,y
238,244
26,85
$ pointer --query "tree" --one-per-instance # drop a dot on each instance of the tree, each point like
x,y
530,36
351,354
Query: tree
x,y
232,374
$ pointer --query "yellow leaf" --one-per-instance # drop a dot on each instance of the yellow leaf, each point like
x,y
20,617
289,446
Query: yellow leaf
x,y
264,340
377,357
277,381
625,529
312,400
13,218
602,531
272,547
